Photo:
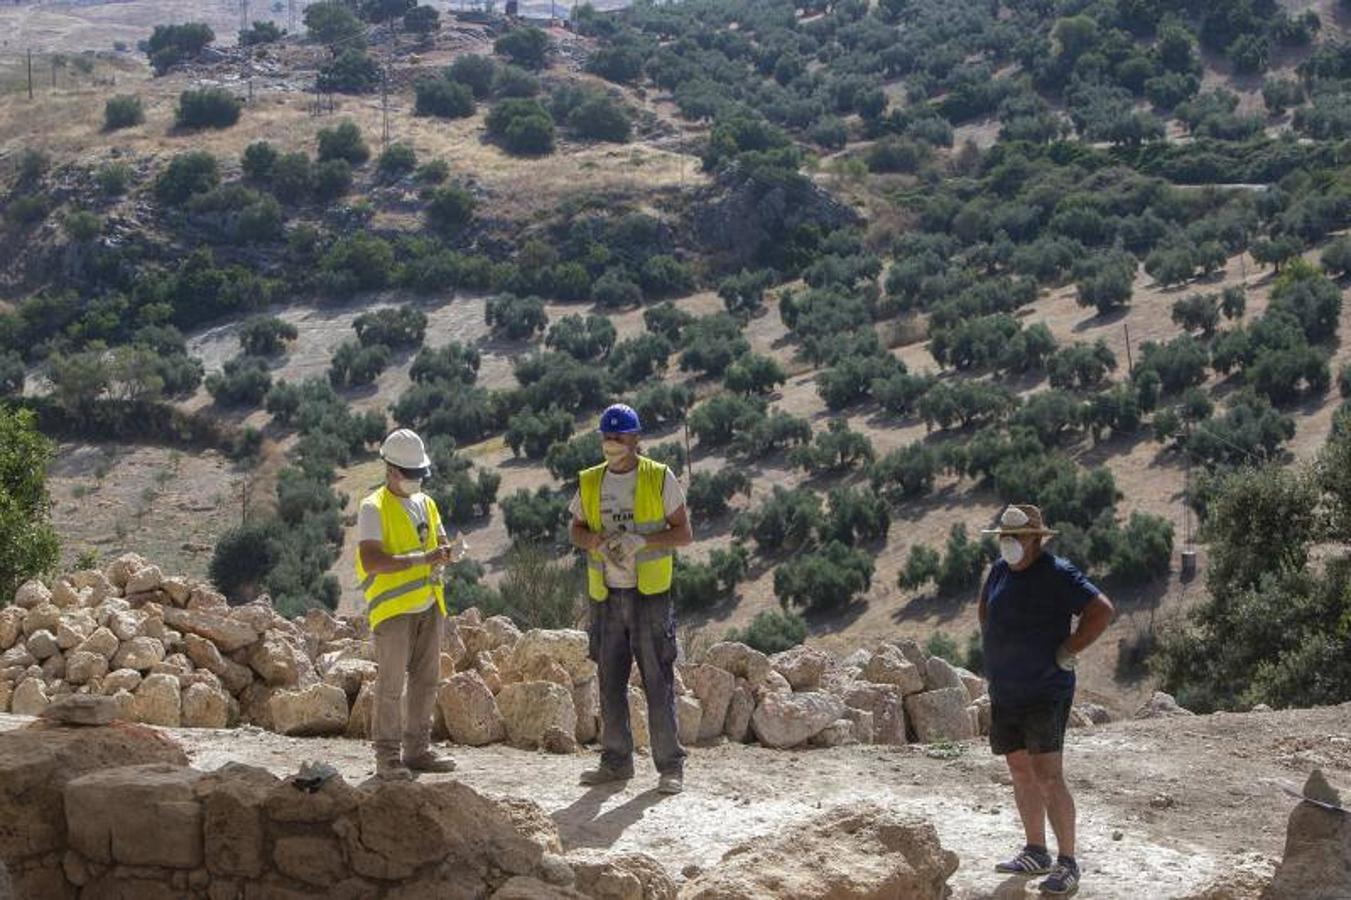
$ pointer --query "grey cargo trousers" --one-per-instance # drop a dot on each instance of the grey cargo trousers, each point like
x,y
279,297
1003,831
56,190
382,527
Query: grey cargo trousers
x,y
624,628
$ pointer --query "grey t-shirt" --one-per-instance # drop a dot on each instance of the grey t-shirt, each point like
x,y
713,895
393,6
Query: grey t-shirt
x,y
368,524
616,514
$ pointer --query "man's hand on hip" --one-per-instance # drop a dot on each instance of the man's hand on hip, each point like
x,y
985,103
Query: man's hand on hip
x,y
1065,658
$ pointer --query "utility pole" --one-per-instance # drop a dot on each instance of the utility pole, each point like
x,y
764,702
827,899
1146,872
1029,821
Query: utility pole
x,y
1130,366
384,107
30,73
53,70
291,15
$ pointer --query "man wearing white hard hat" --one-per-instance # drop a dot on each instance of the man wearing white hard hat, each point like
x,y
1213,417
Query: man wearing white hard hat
x,y
402,547
1031,644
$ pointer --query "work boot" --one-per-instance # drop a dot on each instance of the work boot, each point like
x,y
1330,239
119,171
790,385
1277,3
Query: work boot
x,y
671,783
392,770
430,761
605,775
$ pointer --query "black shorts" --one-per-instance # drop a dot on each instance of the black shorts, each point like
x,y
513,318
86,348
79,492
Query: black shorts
x,y
1038,728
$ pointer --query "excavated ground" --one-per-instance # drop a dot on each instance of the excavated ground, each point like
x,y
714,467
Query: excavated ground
x,y
1165,806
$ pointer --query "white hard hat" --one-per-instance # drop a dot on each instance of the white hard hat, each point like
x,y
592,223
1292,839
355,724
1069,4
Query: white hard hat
x,y
403,448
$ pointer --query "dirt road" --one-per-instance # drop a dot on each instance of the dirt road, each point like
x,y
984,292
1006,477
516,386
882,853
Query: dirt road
x,y
1164,805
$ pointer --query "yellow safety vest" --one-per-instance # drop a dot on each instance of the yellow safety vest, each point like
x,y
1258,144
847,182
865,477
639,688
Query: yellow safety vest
x,y
396,593
649,515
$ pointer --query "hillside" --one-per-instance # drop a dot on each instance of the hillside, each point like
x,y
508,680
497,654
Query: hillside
x,y
928,198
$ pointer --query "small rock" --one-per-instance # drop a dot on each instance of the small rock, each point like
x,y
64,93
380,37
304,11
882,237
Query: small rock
x,y
81,709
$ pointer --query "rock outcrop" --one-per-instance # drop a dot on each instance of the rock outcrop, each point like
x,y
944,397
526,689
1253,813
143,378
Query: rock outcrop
x,y
856,851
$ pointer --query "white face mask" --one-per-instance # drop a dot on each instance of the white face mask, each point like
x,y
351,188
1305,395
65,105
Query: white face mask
x,y
615,452
1011,549
408,486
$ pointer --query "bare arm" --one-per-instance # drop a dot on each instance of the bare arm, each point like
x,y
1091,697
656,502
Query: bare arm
x,y
376,561
677,532
1093,621
582,537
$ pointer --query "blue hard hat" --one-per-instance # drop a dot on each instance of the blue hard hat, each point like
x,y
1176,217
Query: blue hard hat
x,y
619,419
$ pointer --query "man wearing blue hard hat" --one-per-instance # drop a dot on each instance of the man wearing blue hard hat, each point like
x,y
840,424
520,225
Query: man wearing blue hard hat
x,y
629,516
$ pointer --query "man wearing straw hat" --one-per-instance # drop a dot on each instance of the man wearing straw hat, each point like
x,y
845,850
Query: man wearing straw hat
x,y
1027,607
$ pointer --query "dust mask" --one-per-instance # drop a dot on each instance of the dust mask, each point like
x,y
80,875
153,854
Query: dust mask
x,y
1011,549
615,452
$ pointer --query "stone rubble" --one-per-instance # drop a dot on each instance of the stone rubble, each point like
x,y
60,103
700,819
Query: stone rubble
x,y
169,651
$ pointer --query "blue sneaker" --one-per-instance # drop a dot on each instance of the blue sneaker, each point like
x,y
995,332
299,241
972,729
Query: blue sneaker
x,y
1063,880
1028,861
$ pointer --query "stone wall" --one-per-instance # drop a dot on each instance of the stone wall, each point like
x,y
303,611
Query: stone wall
x,y
172,652
115,812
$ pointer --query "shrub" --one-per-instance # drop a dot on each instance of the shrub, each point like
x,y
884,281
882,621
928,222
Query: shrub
x,y
422,20
664,276
709,492
241,560
830,578
1197,312
207,108
583,339
566,458
855,516
343,141
332,180
187,174
836,449
783,523
662,404
1336,257
772,631
535,517
614,290
711,344
360,261
513,81
1142,551
243,381
354,365
332,22
522,126
1105,282
114,178
450,209
744,294
400,328
352,71
715,421
754,374
526,46
396,161
292,178
433,171
534,433
122,111
893,155
169,45
260,33
266,336
516,318
636,359
697,586
474,72
443,99
258,161
766,434
905,472
31,545
599,118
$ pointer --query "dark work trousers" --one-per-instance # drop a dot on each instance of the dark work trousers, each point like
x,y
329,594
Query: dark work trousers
x,y
625,627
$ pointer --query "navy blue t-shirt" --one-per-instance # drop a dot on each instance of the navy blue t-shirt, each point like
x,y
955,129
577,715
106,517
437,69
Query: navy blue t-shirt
x,y
1027,617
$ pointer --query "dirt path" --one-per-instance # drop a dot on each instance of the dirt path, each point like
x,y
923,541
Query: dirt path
x,y
1164,805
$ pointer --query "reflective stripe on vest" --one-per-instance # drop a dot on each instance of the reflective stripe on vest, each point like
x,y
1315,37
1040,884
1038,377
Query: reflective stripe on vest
x,y
655,566
397,593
